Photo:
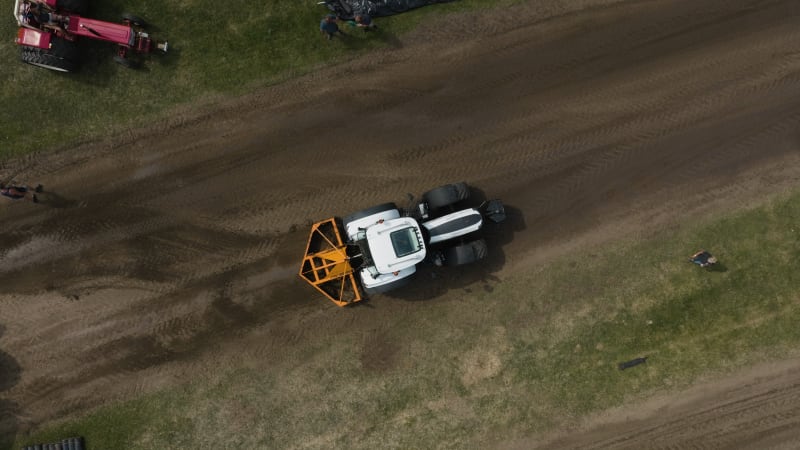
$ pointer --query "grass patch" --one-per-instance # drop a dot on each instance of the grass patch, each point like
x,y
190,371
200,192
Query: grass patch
x,y
215,51
538,351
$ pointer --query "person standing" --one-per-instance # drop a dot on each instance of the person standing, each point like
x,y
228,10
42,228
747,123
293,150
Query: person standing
x,y
19,192
329,27
37,16
364,21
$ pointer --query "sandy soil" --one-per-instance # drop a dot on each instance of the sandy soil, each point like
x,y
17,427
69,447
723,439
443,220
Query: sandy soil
x,y
153,251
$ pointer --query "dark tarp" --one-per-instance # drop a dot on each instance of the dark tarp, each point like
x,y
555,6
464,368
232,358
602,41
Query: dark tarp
x,y
347,9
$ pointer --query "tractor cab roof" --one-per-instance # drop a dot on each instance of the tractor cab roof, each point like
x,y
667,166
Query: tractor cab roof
x,y
396,244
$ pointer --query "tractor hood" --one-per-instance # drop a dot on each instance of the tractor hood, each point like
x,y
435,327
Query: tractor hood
x,y
454,225
97,29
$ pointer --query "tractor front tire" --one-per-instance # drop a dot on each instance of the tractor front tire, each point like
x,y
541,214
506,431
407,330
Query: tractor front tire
x,y
134,20
74,6
62,56
446,195
466,253
368,212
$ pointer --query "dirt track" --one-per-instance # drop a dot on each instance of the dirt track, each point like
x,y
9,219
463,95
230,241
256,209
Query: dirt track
x,y
153,251
756,409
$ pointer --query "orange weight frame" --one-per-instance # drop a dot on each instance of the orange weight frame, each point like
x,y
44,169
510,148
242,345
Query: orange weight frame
x,y
326,265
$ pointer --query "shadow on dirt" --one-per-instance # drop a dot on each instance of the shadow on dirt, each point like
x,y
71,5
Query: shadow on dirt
x,y
9,411
54,200
9,369
231,313
432,281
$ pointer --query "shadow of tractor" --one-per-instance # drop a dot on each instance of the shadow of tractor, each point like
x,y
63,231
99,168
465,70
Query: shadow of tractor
x,y
432,281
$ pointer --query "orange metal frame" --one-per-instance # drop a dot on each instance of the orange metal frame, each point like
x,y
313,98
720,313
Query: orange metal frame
x,y
326,265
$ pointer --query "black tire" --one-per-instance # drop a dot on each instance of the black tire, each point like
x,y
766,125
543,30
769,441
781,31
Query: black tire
x,y
126,62
368,212
446,195
134,20
466,253
74,6
62,56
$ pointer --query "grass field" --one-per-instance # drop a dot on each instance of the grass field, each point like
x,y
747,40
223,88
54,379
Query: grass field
x,y
215,51
538,351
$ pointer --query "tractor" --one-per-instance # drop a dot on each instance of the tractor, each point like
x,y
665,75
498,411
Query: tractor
x,y
378,249
49,31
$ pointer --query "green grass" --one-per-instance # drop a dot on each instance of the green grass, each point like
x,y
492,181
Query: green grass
x,y
537,350
216,50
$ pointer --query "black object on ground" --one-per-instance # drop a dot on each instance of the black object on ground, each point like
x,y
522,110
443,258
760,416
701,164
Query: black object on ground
x,y
348,9
73,443
631,363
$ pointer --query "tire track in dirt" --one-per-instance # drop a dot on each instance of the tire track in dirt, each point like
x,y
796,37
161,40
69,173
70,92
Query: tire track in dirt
x,y
418,152
719,426
670,119
125,321
758,408
591,51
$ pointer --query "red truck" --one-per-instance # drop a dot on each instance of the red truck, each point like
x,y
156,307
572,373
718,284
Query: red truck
x,y
50,29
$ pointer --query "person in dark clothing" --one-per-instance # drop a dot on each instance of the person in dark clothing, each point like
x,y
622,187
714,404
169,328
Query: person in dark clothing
x,y
19,192
39,17
703,259
364,21
329,27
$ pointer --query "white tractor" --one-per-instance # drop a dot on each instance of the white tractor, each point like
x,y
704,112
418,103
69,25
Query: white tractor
x,y
384,246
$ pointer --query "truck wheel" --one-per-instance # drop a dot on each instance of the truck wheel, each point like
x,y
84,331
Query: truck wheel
x,y
134,20
73,6
368,212
466,253
446,195
62,56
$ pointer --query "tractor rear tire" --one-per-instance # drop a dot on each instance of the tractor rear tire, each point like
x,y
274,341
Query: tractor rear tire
x,y
368,212
134,20
446,195
466,253
62,56
74,6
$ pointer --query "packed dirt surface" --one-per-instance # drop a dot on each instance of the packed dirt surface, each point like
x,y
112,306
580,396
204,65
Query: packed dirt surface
x,y
153,252
756,409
